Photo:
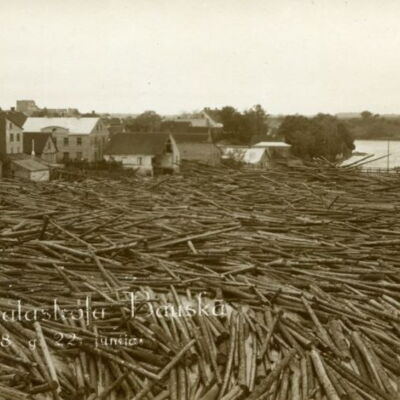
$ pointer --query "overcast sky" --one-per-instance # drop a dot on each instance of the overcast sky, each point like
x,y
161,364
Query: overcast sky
x,y
289,56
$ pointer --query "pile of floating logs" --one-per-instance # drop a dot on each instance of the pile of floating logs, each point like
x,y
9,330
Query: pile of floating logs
x,y
215,284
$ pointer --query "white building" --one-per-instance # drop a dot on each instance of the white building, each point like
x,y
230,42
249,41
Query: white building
x,y
75,138
11,141
201,121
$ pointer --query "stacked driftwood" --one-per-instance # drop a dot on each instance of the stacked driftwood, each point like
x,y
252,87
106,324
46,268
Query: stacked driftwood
x,y
291,279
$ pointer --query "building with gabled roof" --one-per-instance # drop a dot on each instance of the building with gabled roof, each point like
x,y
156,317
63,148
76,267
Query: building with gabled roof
x,y
191,123
148,153
18,118
40,145
76,138
10,134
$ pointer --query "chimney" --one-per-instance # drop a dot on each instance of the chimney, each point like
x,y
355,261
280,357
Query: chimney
x,y
12,108
33,149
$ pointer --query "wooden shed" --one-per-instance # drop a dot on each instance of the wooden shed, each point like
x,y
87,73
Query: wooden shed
x,y
198,147
29,169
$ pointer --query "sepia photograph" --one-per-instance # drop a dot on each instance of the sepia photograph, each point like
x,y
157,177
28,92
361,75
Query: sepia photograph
x,y
200,200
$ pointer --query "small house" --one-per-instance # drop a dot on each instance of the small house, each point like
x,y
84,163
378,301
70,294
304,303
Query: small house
x,y
41,145
148,153
200,122
28,168
265,154
197,147
260,155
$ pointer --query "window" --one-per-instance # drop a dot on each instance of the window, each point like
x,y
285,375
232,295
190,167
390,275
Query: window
x,y
66,141
66,156
79,155
79,141
18,137
140,160
11,137
168,148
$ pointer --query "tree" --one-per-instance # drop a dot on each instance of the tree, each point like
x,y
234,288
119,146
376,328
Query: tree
x,y
366,115
321,136
256,123
149,121
241,128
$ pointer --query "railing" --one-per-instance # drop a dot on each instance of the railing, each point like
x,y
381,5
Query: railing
x,y
380,170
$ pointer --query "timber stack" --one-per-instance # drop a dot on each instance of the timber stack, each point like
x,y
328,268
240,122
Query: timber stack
x,y
219,284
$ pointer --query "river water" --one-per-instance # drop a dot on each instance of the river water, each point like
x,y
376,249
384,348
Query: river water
x,y
378,148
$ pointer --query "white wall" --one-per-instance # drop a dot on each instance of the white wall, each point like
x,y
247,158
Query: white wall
x,y
169,160
23,173
142,163
40,176
176,154
15,146
92,145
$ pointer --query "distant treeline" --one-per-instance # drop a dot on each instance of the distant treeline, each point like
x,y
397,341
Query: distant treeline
x,y
241,128
373,126
323,135
320,136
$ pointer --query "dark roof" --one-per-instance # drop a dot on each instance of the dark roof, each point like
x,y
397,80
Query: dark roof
x,y
40,139
18,118
191,137
137,143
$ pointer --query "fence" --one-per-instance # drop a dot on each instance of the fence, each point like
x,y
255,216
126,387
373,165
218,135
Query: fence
x,y
381,170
